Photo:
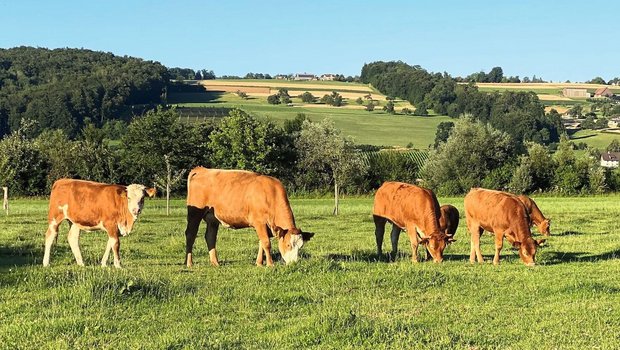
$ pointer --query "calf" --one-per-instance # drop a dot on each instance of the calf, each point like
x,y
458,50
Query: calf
x,y
92,206
414,209
502,214
239,199
536,216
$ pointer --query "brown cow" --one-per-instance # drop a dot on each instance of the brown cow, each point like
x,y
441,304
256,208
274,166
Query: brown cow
x,y
414,209
536,216
239,199
504,215
92,206
449,219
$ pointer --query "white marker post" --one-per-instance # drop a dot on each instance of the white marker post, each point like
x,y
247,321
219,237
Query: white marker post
x,y
5,204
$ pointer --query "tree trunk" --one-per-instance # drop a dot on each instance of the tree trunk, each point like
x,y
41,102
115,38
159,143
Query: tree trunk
x,y
335,198
169,179
5,204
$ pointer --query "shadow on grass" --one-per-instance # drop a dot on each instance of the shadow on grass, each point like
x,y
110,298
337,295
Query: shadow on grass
x,y
554,258
568,233
27,254
373,257
582,137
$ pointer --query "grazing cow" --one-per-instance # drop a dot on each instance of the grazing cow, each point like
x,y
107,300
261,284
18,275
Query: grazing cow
x,y
536,216
449,219
502,214
239,199
92,206
414,209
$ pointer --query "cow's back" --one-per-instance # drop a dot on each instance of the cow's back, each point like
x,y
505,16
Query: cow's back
x,y
494,209
85,202
238,196
404,204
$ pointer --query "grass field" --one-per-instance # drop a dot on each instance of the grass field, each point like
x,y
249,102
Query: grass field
x,y
595,138
341,295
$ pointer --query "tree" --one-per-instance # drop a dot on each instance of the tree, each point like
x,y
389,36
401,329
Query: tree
x,y
370,106
405,111
389,107
244,142
420,109
443,132
327,99
273,99
307,97
495,75
326,154
242,94
171,178
614,146
359,101
597,80
472,151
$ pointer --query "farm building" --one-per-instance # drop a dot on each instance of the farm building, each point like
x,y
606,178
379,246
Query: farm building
x,y
603,92
572,92
305,76
328,76
610,159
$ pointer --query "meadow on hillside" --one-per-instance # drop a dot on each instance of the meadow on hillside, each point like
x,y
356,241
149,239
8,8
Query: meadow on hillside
x,y
340,295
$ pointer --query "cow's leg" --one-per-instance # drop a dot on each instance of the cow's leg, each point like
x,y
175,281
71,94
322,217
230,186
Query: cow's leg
x,y
499,242
379,232
50,238
108,249
259,256
115,242
74,242
265,243
394,237
475,232
211,237
413,239
194,216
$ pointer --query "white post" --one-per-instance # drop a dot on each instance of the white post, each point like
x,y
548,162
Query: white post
x,y
335,198
5,204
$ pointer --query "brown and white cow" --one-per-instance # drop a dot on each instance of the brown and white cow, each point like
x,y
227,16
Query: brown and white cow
x,y
239,199
92,206
536,216
502,214
411,208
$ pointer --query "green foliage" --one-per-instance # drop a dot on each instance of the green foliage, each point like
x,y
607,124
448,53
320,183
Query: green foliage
x,y
370,106
307,97
359,101
389,107
326,157
60,88
472,151
244,142
335,99
406,111
421,109
443,132
273,99
23,168
614,146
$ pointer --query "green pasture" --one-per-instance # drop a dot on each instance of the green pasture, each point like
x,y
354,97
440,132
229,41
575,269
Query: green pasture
x,y
341,295
375,128
595,138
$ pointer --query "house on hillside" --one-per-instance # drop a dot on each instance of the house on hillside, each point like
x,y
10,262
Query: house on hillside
x,y
328,76
304,76
575,93
603,93
281,77
614,122
610,159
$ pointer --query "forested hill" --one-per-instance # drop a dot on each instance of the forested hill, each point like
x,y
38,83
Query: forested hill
x,y
60,88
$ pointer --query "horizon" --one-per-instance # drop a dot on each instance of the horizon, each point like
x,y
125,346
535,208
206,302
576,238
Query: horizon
x,y
556,42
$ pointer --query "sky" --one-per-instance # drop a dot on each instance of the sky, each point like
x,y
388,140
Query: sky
x,y
555,40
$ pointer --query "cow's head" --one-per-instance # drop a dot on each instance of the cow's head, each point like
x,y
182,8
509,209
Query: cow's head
x,y
545,227
527,250
436,243
135,198
290,241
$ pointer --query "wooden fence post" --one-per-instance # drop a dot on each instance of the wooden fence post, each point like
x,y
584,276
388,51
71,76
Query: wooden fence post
x,y
5,204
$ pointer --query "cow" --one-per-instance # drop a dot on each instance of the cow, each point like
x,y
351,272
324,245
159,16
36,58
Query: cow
x,y
240,199
92,206
502,214
411,208
449,219
536,216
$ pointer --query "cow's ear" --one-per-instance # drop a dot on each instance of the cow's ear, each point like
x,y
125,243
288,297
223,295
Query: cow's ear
x,y
306,236
151,192
516,244
280,232
540,242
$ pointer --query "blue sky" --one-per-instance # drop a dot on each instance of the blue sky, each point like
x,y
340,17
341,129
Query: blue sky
x,y
555,40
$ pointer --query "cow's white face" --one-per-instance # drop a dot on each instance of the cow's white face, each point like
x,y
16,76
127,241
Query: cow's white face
x,y
135,198
290,241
